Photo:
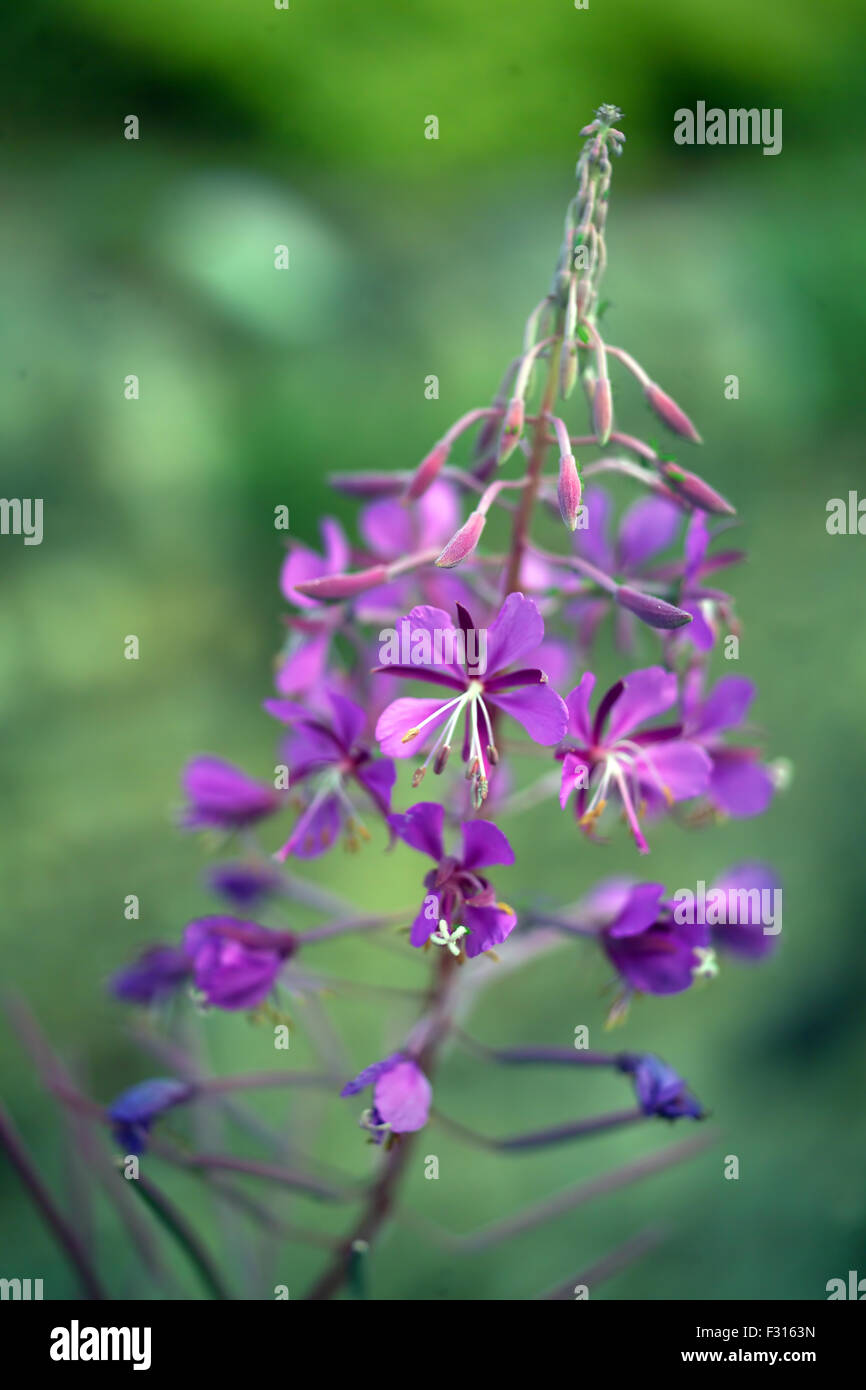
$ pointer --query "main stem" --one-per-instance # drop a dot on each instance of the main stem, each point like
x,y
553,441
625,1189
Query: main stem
x,y
381,1201
529,495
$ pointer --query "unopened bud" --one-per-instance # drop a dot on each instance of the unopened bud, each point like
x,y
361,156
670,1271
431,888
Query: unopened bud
x,y
568,491
512,428
652,611
463,542
567,370
428,471
343,585
584,294
693,489
367,484
670,414
602,410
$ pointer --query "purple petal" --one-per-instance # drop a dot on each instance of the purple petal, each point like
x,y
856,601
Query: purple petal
x,y
739,784
641,908
349,718
726,705
370,1074
592,544
516,631
387,529
421,827
683,768
742,933
402,1096
316,832
304,666
428,638
337,552
488,927
697,540
401,717
539,709
646,528
378,777
572,764
645,694
484,844
577,705
223,796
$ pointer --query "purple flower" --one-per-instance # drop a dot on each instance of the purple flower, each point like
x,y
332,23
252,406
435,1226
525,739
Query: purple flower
x,y
660,1090
327,756
401,1095
235,963
739,783
692,594
480,681
133,1113
651,951
607,755
222,796
152,976
464,897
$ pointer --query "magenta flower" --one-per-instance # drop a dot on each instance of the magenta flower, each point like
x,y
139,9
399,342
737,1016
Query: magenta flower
x,y
443,655
747,921
223,797
401,1096
651,951
463,897
609,755
235,963
327,756
393,530
740,784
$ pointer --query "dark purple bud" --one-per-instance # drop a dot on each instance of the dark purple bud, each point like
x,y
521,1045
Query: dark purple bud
x,y
135,1110
367,484
693,489
660,1091
223,797
652,611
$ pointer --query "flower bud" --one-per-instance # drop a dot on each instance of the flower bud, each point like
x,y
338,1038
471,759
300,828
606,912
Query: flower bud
x,y
652,611
693,489
670,414
567,370
568,491
344,585
512,428
463,542
366,484
602,410
428,471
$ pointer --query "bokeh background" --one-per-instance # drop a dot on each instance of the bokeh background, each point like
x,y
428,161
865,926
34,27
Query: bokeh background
x,y
411,257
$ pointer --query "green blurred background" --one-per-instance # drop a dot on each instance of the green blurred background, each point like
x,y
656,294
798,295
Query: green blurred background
x,y
411,257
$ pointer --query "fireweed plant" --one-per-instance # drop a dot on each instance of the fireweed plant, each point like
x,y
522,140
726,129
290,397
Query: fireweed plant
x,y
418,646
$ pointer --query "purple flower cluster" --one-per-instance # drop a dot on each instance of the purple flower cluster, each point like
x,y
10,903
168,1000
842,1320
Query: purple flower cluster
x,y
416,644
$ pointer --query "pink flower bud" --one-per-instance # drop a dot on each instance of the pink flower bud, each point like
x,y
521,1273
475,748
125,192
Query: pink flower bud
x,y
670,414
512,428
428,471
602,410
693,489
568,491
584,293
463,542
653,611
344,585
